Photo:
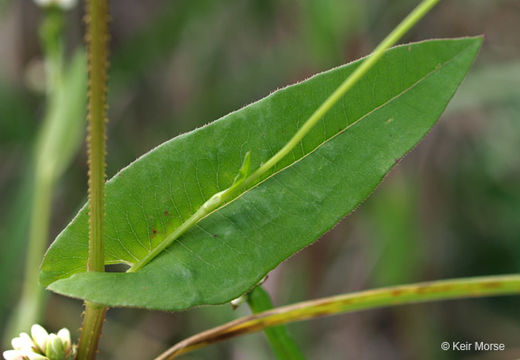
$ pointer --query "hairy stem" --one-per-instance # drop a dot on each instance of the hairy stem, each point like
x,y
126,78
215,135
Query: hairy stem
x,y
364,300
236,189
90,334
97,41
97,52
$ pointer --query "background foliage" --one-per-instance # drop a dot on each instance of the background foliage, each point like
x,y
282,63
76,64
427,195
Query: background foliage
x,y
450,209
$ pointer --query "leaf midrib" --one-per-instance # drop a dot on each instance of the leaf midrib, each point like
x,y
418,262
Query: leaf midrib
x,y
387,102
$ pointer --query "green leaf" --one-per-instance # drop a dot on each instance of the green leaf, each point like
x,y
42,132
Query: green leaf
x,y
337,165
281,342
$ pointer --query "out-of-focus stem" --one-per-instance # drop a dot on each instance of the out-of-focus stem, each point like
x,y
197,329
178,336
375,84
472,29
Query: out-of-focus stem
x,y
30,306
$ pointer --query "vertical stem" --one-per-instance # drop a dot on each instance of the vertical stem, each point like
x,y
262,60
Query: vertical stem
x,y
97,39
40,215
91,330
97,42
30,306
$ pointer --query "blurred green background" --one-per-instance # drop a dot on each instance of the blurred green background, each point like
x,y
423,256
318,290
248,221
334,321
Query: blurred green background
x,y
450,209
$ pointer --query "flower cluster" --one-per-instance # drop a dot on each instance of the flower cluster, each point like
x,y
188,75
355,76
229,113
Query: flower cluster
x,y
41,346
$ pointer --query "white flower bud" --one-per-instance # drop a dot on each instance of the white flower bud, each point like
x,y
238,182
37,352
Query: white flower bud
x,y
40,337
13,355
238,301
55,348
64,4
23,342
22,355
64,335
41,345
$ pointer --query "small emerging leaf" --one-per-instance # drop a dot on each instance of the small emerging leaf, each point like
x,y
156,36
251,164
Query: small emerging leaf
x,y
244,171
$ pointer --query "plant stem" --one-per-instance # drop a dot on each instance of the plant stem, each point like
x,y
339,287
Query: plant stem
x,y
91,330
97,41
30,306
234,190
364,300
31,303
97,52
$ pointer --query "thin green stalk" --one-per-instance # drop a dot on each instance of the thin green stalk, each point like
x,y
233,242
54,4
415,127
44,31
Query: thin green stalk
x,y
405,25
51,35
281,342
364,300
97,40
29,308
237,188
